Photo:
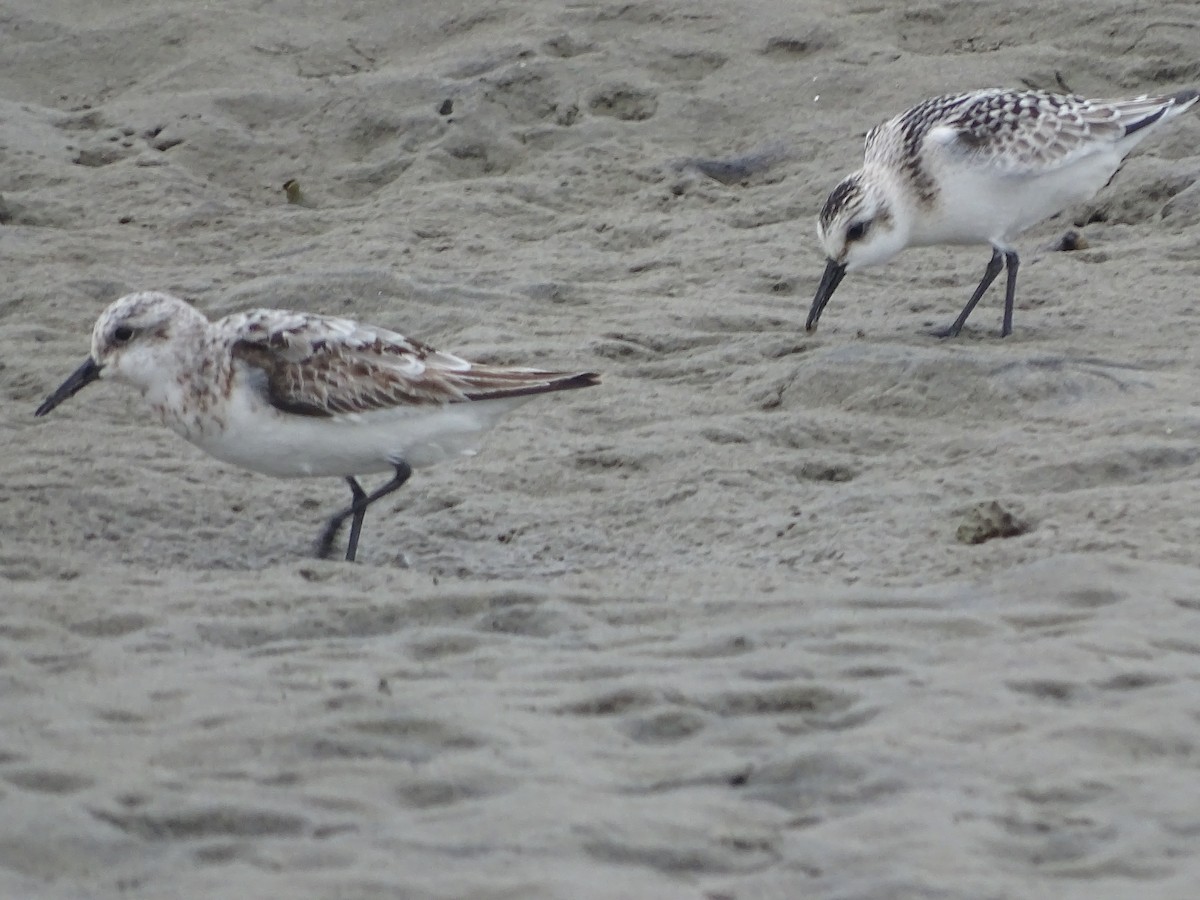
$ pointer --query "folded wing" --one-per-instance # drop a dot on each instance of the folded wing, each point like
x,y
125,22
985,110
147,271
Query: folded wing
x,y
323,366
1032,133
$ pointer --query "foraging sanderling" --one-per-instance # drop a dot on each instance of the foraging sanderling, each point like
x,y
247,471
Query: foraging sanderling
x,y
294,394
978,168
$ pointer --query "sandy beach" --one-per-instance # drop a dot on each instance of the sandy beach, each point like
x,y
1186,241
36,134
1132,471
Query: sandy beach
x,y
736,625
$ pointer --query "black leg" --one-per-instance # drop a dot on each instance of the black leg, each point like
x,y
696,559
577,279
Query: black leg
x,y
1010,291
360,512
989,275
357,509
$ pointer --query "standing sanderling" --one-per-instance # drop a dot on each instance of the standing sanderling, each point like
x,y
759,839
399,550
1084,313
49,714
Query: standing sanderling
x,y
978,168
293,394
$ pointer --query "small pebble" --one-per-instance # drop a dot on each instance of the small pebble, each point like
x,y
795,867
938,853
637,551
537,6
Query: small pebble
x,y
1071,241
291,188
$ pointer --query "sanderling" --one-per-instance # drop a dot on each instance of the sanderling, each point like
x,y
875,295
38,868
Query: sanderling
x,y
293,394
978,168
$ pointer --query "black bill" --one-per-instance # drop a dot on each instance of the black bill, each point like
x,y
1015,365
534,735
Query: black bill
x,y
80,378
834,272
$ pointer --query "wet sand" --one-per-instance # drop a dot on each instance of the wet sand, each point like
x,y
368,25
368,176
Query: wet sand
x,y
716,629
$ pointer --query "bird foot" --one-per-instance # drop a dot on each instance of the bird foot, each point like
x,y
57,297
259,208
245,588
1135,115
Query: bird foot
x,y
948,332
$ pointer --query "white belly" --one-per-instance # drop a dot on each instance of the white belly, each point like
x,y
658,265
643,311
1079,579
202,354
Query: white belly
x,y
254,435
981,206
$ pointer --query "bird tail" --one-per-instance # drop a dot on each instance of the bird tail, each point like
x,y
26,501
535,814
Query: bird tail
x,y
483,383
1145,111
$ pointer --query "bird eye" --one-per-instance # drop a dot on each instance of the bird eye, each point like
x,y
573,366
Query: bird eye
x,y
122,334
856,231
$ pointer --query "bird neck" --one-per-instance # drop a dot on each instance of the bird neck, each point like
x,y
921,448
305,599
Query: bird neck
x,y
195,375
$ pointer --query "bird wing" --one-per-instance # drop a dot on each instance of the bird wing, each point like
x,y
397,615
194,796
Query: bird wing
x,y
1033,132
324,366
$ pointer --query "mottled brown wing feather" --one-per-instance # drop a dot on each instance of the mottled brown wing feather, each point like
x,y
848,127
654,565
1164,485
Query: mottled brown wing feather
x,y
311,376
1020,132
1035,132
1029,134
333,380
